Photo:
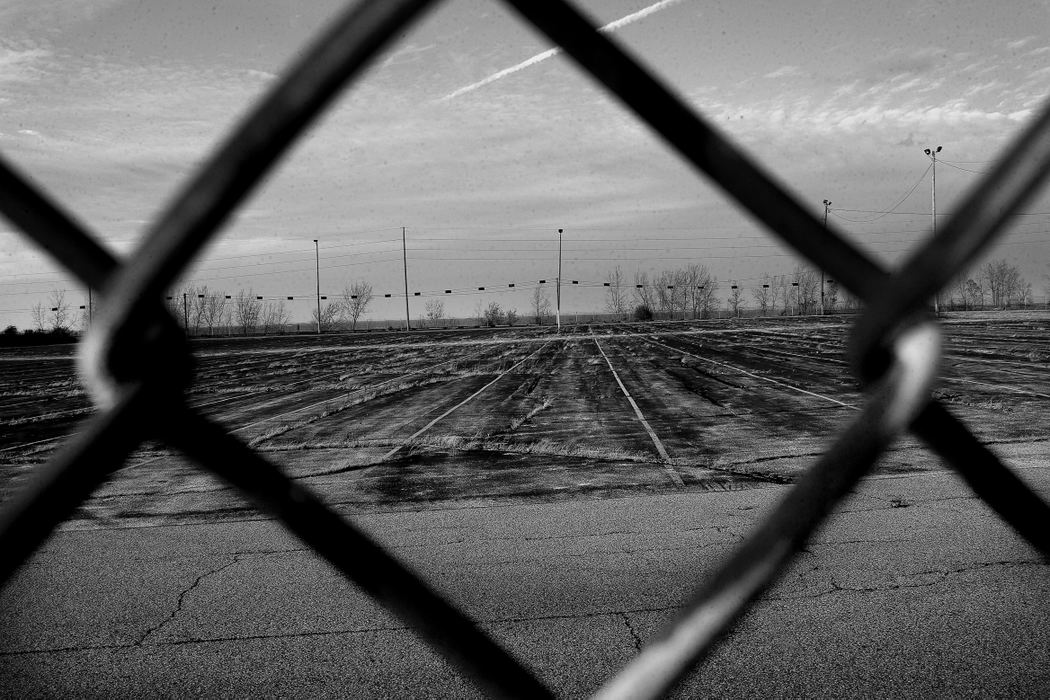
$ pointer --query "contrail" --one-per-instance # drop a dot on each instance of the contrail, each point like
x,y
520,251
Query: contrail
x,y
611,26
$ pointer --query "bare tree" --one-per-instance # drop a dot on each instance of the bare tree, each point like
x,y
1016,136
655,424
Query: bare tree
x,y
541,304
807,293
645,291
616,299
493,315
329,315
698,290
666,292
734,301
214,310
434,310
777,293
354,302
60,315
762,294
246,311
511,316
274,316
1005,284
39,314
197,297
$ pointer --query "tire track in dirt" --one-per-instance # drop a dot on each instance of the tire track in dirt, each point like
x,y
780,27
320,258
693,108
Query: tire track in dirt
x,y
462,403
350,395
760,377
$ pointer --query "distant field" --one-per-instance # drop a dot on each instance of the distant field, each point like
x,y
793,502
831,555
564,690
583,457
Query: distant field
x,y
383,420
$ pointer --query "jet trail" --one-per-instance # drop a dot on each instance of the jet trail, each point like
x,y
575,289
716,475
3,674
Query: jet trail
x,y
611,26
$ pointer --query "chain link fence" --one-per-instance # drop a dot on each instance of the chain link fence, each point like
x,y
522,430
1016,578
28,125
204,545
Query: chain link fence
x,y
136,364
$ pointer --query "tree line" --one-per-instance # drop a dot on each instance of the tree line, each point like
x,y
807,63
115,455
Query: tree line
x,y
690,291
204,311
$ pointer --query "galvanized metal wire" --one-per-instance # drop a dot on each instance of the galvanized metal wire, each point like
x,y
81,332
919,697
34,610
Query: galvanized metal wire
x,y
127,358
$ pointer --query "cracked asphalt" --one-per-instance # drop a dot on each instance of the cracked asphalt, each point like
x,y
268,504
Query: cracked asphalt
x,y
914,588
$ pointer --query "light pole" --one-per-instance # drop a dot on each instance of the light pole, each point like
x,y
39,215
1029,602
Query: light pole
x,y
932,153
827,208
557,292
317,270
404,260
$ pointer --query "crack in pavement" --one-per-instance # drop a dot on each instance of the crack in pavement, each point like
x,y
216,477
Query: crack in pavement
x,y
935,576
181,600
364,630
634,633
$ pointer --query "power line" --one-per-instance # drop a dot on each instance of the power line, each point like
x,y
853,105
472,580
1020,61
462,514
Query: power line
x,y
894,207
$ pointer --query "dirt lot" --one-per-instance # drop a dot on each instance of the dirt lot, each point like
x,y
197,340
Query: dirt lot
x,y
384,420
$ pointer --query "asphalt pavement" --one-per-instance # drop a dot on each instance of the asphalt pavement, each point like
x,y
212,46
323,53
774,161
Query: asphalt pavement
x,y
914,588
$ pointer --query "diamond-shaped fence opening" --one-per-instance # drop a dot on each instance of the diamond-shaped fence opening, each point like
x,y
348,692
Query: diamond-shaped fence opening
x,y
127,358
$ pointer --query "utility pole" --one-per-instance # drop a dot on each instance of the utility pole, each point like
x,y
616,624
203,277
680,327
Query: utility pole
x,y
185,314
933,196
317,268
89,306
558,292
404,257
827,207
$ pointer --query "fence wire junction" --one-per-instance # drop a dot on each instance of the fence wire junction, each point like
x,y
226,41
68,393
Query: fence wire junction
x,y
135,359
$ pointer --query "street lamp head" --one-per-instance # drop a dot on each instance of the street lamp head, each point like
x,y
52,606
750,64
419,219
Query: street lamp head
x,y
926,151
559,231
938,149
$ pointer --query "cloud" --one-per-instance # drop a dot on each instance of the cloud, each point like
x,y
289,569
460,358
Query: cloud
x,y
538,58
784,72
20,64
1020,43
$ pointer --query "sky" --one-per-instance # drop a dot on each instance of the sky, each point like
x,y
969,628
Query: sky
x,y
481,141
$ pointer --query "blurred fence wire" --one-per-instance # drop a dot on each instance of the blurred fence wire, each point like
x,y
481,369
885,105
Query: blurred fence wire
x,y
128,355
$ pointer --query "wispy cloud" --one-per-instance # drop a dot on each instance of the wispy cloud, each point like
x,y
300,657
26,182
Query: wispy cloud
x,y
610,27
784,72
1020,43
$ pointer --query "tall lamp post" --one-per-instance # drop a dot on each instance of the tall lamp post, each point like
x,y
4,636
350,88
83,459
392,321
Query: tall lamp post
x,y
558,286
932,153
317,269
827,208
